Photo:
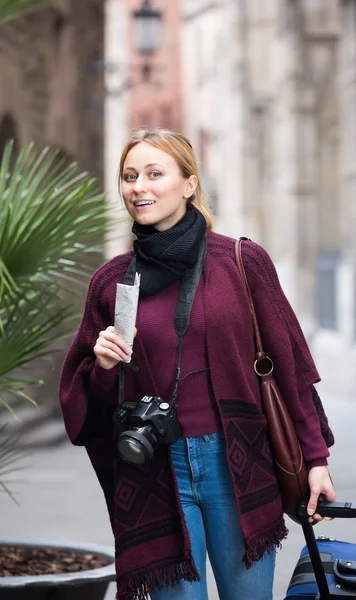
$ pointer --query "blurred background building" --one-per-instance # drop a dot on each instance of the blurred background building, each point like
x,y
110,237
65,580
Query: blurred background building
x,y
266,92
49,91
270,108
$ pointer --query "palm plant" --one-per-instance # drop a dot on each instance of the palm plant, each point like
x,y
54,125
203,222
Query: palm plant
x,y
51,218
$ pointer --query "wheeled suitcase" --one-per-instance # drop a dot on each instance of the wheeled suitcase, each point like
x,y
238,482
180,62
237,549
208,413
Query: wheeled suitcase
x,y
326,568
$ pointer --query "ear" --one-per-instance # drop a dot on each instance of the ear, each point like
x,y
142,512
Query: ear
x,y
190,186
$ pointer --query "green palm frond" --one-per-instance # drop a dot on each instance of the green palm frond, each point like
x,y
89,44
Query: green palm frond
x,y
15,9
48,219
52,223
30,327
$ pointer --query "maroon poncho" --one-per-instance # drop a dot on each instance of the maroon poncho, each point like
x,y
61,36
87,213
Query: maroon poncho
x,y
151,540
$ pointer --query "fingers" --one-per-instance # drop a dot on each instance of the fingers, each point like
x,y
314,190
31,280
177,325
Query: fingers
x,y
313,501
320,487
330,495
111,346
315,518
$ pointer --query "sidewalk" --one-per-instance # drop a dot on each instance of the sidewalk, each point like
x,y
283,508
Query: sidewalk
x,y
61,499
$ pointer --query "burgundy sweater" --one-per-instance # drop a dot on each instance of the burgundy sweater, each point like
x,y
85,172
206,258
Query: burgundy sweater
x,y
197,410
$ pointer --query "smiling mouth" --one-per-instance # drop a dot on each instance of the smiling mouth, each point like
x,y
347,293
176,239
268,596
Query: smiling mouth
x,y
143,202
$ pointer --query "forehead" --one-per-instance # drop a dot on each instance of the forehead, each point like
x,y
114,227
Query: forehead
x,y
144,153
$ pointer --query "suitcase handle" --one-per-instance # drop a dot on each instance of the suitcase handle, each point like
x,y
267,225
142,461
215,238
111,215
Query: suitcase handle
x,y
324,509
345,572
342,510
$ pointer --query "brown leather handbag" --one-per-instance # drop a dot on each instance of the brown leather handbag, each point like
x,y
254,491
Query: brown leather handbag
x,y
291,471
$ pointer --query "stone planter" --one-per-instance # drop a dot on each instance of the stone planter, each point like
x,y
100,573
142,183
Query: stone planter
x,y
82,585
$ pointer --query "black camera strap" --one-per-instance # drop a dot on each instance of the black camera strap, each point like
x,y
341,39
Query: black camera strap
x,y
186,297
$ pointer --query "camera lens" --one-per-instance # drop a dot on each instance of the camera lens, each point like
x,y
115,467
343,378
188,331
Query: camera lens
x,y
137,445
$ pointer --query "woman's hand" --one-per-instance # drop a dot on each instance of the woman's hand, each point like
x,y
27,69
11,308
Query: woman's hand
x,y
110,348
319,483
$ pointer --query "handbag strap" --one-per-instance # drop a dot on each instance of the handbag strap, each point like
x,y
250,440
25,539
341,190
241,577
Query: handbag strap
x,y
260,354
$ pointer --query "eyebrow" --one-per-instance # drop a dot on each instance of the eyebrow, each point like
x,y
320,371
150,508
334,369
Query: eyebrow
x,y
146,166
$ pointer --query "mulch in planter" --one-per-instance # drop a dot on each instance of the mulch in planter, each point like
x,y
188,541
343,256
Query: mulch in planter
x,y
17,560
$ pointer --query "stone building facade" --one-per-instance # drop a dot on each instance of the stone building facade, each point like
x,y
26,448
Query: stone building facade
x,y
51,85
270,106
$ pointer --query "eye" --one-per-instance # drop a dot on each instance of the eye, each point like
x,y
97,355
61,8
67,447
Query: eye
x,y
130,177
155,174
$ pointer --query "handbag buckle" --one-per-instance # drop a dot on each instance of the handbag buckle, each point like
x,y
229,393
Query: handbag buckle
x,y
263,359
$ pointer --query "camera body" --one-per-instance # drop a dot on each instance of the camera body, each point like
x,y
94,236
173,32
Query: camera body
x,y
142,426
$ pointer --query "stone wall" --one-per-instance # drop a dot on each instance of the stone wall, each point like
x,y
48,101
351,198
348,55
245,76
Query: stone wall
x,y
49,84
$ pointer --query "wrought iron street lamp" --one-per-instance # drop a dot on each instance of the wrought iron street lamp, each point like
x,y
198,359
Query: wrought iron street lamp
x,y
147,28
147,23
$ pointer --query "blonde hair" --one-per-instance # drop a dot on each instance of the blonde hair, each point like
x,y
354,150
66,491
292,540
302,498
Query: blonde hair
x,y
179,147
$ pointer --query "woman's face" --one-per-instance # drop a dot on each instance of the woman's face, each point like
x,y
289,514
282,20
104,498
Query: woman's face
x,y
153,188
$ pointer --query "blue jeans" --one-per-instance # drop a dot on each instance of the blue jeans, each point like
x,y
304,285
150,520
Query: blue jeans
x,y
211,515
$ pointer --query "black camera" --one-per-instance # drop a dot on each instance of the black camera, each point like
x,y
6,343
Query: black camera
x,y
142,426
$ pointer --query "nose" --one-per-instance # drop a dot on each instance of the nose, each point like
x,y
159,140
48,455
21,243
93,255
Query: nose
x,y
139,186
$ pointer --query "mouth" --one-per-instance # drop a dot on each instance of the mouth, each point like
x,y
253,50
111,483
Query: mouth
x,y
139,203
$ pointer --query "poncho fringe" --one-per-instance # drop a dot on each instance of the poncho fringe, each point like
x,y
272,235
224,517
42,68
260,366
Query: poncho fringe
x,y
255,550
139,586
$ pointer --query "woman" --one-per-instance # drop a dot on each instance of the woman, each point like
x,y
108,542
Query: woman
x,y
214,488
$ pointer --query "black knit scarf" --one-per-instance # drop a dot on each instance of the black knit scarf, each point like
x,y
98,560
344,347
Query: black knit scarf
x,y
162,257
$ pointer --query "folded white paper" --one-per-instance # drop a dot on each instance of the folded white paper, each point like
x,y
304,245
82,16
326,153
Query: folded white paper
x,y
126,309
